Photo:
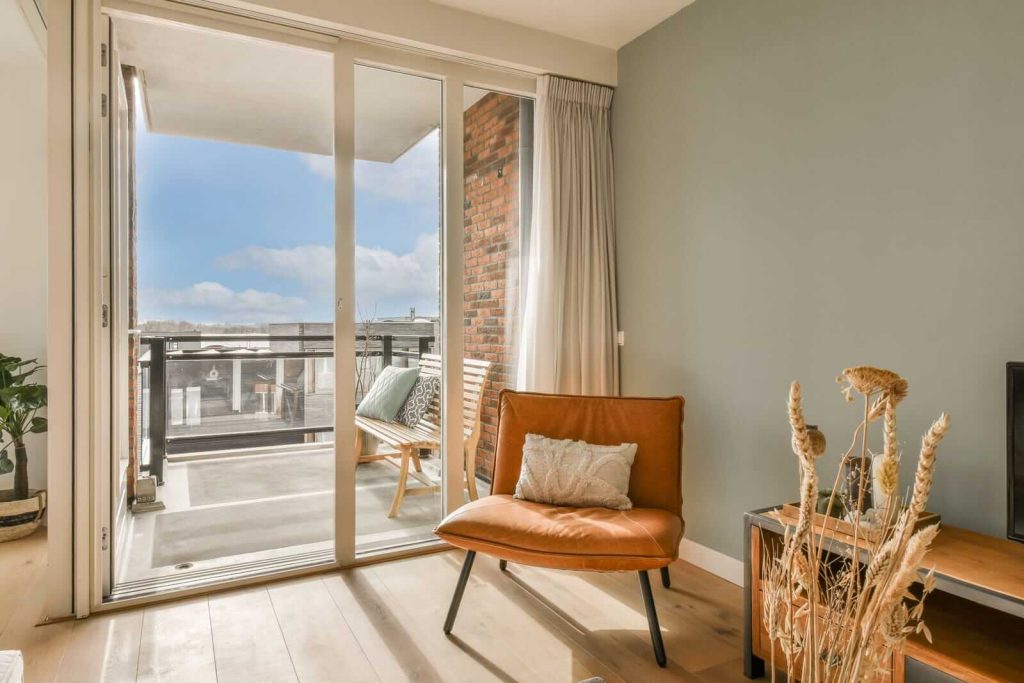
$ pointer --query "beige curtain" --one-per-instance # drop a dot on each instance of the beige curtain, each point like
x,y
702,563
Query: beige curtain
x,y
568,340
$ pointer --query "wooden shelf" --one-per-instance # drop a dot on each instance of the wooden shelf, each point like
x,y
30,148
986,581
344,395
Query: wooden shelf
x,y
992,564
972,641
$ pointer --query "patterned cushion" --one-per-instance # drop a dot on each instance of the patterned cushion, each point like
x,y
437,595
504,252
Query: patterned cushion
x,y
12,667
576,473
418,401
388,393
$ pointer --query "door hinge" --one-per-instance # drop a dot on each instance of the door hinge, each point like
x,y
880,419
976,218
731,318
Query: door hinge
x,y
103,54
105,315
103,105
104,538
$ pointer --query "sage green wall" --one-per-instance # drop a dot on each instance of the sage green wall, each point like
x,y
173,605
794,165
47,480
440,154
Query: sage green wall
x,y
805,185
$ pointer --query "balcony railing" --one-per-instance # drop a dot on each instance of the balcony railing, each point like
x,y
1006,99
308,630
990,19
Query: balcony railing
x,y
214,392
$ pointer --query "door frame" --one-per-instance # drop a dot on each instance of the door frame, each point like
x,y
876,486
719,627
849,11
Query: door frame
x,y
92,374
453,77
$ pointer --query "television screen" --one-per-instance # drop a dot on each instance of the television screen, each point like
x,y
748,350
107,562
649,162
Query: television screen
x,y
1015,450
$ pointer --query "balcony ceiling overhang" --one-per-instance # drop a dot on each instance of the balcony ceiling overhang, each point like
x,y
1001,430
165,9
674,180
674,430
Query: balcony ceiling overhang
x,y
208,84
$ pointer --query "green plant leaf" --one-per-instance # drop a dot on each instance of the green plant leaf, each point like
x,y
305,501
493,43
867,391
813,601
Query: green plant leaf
x,y
19,399
6,466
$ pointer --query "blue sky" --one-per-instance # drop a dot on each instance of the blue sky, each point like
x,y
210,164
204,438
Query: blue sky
x,y
245,234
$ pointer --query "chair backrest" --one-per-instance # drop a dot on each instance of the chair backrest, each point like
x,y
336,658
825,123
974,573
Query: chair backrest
x,y
654,424
474,379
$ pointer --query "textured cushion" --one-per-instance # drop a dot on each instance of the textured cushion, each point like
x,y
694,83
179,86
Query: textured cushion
x,y
567,472
654,424
12,667
418,401
388,393
565,537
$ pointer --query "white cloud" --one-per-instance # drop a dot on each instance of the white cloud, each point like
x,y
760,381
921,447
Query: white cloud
x,y
384,280
414,176
320,164
390,281
219,303
310,264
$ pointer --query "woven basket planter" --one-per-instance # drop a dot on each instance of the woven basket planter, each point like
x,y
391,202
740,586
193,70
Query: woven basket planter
x,y
20,518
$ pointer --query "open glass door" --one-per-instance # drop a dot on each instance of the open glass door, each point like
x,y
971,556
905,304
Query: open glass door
x,y
222,233
122,341
286,225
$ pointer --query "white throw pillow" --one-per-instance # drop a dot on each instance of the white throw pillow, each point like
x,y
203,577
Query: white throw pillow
x,y
576,473
12,667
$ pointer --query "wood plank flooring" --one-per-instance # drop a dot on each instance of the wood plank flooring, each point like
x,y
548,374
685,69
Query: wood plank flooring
x,y
383,623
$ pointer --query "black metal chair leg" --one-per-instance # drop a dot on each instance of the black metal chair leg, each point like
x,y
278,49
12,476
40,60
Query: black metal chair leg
x,y
652,619
666,580
503,565
460,588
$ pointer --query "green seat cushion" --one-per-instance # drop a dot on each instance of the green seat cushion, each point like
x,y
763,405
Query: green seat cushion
x,y
388,393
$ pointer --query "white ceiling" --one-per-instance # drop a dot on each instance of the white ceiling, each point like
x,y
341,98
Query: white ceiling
x,y
393,112
609,23
217,86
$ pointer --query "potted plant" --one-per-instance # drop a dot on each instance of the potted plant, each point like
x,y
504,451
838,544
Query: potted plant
x,y
21,509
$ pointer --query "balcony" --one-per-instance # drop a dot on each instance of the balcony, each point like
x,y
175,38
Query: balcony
x,y
238,430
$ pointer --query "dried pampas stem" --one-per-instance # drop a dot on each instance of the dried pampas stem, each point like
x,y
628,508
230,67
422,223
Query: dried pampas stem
x,y
926,464
802,445
889,477
833,622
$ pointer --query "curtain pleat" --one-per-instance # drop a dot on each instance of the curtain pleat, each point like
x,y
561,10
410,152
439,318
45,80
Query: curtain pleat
x,y
568,342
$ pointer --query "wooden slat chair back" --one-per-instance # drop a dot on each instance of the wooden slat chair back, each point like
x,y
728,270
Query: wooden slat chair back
x,y
407,441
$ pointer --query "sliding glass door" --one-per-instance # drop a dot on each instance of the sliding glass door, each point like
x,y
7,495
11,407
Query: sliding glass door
x,y
397,305
314,274
223,327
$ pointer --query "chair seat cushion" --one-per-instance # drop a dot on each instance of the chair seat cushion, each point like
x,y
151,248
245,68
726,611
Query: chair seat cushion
x,y
562,537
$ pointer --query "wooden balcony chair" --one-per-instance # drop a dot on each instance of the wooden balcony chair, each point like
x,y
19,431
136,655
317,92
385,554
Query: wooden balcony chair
x,y
406,442
589,539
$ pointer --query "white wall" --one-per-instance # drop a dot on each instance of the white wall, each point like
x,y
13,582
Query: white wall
x,y
23,204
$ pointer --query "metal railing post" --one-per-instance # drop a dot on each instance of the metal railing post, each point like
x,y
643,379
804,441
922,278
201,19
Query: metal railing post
x,y
157,408
386,346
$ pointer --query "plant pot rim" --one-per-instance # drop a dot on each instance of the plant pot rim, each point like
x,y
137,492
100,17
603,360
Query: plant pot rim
x,y
22,516
7,496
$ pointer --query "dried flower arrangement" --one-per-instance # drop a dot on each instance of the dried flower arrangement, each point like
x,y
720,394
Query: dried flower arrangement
x,y
839,615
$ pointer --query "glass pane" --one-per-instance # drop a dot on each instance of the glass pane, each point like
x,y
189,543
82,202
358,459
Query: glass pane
x,y
229,277
398,296
498,165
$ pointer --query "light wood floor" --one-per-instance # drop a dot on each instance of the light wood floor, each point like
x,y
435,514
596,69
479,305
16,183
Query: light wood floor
x,y
383,623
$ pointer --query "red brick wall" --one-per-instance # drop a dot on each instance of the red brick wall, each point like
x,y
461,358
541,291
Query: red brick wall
x,y
491,144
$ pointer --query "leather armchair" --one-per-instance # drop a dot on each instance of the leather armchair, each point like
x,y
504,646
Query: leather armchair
x,y
593,539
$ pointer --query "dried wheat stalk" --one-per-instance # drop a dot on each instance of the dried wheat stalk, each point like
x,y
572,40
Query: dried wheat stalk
x,y
839,618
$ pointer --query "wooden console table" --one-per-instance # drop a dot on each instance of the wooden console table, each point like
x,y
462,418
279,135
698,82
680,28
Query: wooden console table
x,y
976,614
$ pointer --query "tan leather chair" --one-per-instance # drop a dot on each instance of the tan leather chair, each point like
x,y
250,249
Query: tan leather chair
x,y
593,539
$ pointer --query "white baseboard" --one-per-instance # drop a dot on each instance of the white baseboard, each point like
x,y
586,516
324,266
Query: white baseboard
x,y
719,564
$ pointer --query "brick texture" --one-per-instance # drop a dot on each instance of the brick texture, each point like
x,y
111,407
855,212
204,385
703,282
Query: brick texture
x,y
491,158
